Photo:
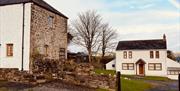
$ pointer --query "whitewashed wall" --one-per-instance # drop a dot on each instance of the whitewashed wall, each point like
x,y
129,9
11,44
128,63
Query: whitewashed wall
x,y
144,55
172,63
109,65
11,18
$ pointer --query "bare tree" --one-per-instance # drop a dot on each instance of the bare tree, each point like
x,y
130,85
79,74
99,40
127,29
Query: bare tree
x,y
171,55
87,30
108,38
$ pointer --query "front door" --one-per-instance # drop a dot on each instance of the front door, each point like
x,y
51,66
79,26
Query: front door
x,y
141,69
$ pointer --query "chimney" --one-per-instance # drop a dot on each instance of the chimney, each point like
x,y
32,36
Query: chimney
x,y
164,37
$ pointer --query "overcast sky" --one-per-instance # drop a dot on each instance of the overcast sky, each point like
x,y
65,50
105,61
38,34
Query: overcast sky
x,y
133,19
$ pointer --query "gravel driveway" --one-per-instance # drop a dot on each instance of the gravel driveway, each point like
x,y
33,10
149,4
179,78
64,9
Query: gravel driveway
x,y
164,85
51,86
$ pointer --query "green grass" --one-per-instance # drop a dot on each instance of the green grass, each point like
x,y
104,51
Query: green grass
x,y
105,72
134,85
155,78
100,89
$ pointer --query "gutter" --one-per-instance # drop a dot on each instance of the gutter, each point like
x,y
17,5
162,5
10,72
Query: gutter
x,y
23,25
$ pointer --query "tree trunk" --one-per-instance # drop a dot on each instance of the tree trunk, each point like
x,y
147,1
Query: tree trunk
x,y
103,53
89,54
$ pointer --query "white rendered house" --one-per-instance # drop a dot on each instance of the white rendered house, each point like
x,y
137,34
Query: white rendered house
x,y
145,58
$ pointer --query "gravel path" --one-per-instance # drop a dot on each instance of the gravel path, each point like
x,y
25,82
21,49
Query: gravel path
x,y
163,85
51,86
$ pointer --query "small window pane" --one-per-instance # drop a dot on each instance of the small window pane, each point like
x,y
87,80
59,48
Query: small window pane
x,y
157,54
125,65
131,67
131,64
151,54
9,50
50,21
130,54
176,72
125,54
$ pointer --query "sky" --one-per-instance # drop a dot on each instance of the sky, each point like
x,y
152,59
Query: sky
x,y
132,19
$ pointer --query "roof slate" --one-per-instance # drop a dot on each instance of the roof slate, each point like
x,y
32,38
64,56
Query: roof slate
x,y
38,2
142,44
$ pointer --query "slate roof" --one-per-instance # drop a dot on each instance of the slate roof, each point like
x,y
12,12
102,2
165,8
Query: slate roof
x,y
142,44
37,2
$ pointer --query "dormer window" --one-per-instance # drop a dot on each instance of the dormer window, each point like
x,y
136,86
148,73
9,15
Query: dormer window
x,y
151,54
125,54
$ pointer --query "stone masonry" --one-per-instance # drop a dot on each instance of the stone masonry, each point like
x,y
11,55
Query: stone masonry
x,y
47,39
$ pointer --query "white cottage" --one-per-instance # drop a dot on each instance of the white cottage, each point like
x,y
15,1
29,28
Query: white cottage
x,y
29,27
111,65
145,58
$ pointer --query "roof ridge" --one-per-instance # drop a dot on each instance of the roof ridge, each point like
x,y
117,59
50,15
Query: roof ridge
x,y
142,44
140,40
40,3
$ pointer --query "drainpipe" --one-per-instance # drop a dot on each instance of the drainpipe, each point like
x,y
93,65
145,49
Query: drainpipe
x,y
22,65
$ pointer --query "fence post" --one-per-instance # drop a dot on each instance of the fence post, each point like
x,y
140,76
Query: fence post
x,y
179,82
118,75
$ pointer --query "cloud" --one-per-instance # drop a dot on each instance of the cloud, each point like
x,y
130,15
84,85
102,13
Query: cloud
x,y
133,19
142,18
147,28
176,3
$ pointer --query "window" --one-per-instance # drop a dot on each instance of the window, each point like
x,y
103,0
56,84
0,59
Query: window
x,y
113,65
130,54
46,50
173,72
157,54
62,53
50,21
9,50
155,66
128,66
125,54
151,54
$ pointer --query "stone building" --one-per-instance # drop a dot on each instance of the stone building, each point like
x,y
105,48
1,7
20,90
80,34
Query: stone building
x,y
29,28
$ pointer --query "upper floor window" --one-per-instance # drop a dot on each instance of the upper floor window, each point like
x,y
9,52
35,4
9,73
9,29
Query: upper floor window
x,y
125,54
151,54
157,54
9,50
130,54
50,21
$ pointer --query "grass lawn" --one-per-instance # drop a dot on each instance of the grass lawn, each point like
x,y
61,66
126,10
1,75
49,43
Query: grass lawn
x,y
127,85
100,89
105,72
155,78
134,85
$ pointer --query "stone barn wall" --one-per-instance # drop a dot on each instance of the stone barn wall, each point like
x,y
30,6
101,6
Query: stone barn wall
x,y
47,36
